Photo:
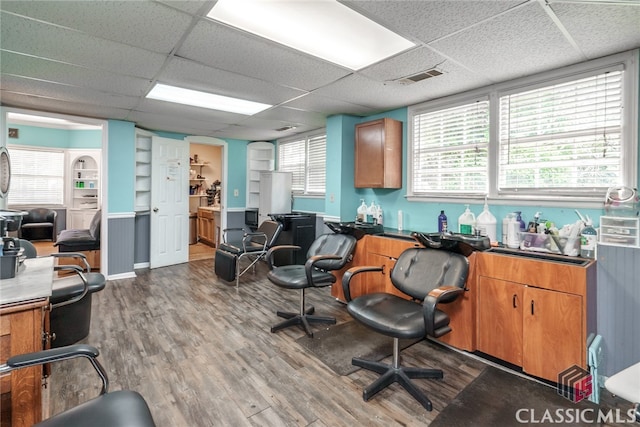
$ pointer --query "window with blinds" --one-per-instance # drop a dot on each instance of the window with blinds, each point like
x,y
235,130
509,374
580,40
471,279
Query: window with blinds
x,y
565,135
37,177
563,138
305,158
450,150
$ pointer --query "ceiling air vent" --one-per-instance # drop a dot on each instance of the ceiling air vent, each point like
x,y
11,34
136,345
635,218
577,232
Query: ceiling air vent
x,y
420,76
285,128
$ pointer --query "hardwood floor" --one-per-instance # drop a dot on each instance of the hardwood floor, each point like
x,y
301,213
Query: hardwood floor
x,y
200,251
201,352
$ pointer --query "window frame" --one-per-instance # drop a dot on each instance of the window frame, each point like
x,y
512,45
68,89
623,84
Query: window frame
x,y
12,152
306,137
628,60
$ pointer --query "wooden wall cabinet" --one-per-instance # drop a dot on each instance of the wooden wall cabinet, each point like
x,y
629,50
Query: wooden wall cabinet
x,y
533,313
378,154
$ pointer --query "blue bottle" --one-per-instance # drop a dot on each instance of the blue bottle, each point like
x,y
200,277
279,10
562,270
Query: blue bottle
x,y
523,226
442,222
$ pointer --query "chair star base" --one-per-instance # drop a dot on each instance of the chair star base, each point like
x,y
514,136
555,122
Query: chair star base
x,y
302,319
394,373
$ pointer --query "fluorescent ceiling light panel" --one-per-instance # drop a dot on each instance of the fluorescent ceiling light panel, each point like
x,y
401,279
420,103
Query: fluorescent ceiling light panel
x,y
33,120
322,28
196,98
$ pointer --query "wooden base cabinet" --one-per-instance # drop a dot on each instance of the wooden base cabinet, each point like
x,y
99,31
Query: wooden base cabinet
x,y
533,313
206,227
21,331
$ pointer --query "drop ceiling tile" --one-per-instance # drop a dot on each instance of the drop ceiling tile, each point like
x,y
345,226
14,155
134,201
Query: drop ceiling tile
x,y
192,7
42,40
164,108
327,106
60,72
167,122
430,20
405,64
600,29
191,75
521,42
28,101
241,132
292,116
232,50
150,25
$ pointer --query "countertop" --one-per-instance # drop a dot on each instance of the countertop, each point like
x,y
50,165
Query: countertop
x,y
210,208
32,282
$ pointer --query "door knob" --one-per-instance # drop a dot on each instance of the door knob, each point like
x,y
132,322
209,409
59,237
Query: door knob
x,y
155,209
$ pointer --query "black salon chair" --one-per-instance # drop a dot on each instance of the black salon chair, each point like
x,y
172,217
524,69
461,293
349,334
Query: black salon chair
x,y
38,224
122,408
430,277
71,297
239,244
327,253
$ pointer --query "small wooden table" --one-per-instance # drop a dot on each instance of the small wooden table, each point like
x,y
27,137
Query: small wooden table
x,y
23,313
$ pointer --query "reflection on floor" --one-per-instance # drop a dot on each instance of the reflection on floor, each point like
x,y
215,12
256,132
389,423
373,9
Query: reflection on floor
x,y
200,251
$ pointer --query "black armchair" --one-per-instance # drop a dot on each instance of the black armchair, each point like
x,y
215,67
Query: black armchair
x,y
118,408
329,252
38,224
430,277
239,244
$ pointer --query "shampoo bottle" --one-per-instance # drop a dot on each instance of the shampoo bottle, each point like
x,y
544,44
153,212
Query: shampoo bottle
x,y
588,240
372,213
442,222
379,214
362,212
487,223
466,221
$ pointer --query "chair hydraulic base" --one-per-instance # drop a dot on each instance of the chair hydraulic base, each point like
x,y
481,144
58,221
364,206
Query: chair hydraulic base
x,y
304,318
395,373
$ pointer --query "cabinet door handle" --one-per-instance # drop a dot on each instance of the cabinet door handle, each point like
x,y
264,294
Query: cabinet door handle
x,y
515,301
532,308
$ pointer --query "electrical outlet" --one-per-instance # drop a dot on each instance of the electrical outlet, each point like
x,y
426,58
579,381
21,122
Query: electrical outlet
x,y
236,193
331,198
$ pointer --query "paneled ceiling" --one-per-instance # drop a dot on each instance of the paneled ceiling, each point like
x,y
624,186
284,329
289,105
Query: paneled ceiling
x,y
100,58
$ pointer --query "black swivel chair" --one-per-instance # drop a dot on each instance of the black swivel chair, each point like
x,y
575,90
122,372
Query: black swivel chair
x,y
239,244
71,295
329,252
122,408
430,277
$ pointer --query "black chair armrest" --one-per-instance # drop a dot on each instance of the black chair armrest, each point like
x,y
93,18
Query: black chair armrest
x,y
352,272
227,230
85,283
309,265
56,355
444,295
248,237
270,252
78,255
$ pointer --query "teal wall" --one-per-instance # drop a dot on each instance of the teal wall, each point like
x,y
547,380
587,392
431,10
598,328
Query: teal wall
x,y
36,136
121,166
237,174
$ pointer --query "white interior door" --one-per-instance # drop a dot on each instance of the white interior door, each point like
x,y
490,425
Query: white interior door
x,y
169,202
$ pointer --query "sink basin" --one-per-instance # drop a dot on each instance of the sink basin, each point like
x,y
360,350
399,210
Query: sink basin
x,y
460,243
542,256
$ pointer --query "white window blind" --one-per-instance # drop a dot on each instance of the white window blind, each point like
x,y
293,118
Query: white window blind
x,y
37,177
306,160
450,150
291,156
563,138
